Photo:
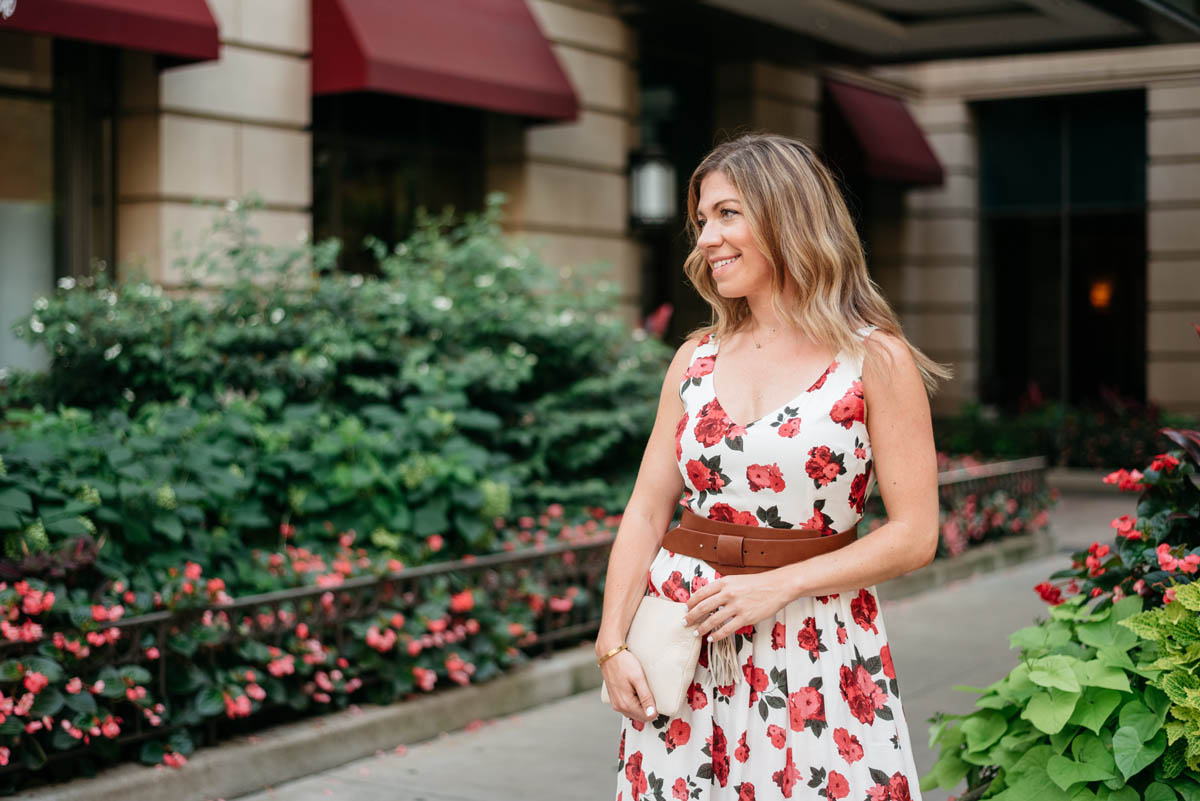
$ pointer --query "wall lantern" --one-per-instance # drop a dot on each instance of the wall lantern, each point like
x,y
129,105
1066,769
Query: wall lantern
x,y
651,188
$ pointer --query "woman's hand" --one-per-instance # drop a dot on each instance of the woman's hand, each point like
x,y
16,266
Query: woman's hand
x,y
628,691
723,606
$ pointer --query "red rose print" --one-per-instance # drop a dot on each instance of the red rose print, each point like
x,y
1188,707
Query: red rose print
x,y
878,792
850,407
804,705
809,638
819,522
848,745
765,476
674,588
637,724
787,776
756,677
637,779
678,733
727,514
695,696
790,428
704,340
823,465
698,582
820,382
742,752
700,367
711,424
862,695
838,787
777,636
720,756
679,791
885,655
841,634
777,734
858,491
679,429
621,748
702,477
898,787
745,791
864,610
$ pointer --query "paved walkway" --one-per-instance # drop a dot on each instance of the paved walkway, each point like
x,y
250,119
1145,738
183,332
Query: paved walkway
x,y
567,750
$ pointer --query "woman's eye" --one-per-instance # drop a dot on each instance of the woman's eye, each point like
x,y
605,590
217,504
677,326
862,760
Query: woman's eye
x,y
726,213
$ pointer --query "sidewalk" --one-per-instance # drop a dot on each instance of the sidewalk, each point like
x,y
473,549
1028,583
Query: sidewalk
x,y
567,749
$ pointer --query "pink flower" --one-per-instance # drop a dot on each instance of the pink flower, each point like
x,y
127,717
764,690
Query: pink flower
x,y
1165,560
435,542
1189,563
1126,480
1125,526
192,571
74,685
35,682
1169,595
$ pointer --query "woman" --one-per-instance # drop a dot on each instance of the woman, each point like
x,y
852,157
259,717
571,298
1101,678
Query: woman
x,y
816,394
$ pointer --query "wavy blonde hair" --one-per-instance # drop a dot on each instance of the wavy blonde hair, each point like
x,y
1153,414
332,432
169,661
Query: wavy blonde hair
x,y
801,224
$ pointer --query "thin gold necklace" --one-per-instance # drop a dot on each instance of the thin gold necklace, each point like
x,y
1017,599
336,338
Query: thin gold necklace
x,y
756,342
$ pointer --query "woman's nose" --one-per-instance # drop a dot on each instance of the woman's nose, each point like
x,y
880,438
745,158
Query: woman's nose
x,y
708,236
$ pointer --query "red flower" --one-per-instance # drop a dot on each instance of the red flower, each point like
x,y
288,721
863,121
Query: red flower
x,y
885,655
878,792
861,693
777,635
819,522
727,514
821,467
674,589
742,752
637,779
1126,480
702,477
848,745
679,429
702,366
787,776
898,787
720,756
764,476
678,733
711,424
621,748
864,610
745,791
1050,594
838,787
1164,463
695,696
850,407
1126,527
790,427
858,491
680,790
804,705
820,382
809,638
841,635
777,735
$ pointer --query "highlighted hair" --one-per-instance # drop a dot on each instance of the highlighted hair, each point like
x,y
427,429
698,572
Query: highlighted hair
x,y
801,224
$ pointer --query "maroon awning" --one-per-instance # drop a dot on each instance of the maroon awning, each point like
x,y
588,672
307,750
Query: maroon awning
x,y
893,146
183,29
482,53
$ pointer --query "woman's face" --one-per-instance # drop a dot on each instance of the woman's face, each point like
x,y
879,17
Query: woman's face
x,y
738,267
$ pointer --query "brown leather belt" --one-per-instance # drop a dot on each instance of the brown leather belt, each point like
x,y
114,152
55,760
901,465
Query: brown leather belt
x,y
731,548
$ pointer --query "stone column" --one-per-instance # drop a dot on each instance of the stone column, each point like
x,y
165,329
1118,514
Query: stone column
x,y
1173,236
768,98
567,182
214,131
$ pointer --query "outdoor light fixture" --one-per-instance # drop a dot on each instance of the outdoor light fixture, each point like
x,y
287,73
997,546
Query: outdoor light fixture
x,y
1100,294
651,188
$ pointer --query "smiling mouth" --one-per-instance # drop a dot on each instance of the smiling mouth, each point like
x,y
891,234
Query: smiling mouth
x,y
720,266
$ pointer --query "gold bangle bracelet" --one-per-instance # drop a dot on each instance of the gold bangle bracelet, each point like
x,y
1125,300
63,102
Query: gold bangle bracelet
x,y
611,654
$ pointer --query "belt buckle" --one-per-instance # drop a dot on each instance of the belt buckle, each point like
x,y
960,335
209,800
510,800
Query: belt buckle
x,y
729,549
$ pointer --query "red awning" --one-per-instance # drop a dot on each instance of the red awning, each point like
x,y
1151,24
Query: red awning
x,y
482,53
183,29
893,146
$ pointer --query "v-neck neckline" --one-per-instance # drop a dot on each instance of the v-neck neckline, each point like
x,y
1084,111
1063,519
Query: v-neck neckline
x,y
712,376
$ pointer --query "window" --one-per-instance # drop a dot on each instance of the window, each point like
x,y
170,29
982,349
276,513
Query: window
x,y
1063,247
56,164
378,158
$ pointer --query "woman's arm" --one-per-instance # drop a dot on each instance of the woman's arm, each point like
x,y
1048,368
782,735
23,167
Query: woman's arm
x,y
648,513
905,463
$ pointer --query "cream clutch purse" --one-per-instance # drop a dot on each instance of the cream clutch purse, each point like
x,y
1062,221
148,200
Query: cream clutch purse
x,y
667,649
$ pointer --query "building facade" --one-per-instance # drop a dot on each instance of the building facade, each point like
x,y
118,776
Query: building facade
x,y
1027,183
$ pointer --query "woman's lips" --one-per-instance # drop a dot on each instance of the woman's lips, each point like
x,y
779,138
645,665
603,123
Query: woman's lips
x,y
722,266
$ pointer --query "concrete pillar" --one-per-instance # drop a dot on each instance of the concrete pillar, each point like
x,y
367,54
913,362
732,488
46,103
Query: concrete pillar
x,y
215,131
768,98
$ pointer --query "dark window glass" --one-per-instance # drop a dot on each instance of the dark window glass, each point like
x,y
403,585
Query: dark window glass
x,y
1063,247
377,159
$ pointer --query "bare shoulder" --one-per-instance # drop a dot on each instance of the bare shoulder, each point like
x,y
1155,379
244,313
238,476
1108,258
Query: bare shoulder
x,y
683,358
888,358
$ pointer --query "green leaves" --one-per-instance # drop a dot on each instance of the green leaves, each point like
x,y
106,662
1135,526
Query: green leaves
x,y
1132,754
1050,709
1055,671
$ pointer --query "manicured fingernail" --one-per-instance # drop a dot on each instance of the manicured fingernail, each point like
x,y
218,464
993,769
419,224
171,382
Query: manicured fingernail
x,y
695,632
709,638
649,711
683,620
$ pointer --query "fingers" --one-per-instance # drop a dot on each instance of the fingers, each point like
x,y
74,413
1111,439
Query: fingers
x,y
644,698
719,624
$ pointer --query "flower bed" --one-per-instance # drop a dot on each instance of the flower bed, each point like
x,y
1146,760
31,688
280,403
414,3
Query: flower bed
x,y
1102,705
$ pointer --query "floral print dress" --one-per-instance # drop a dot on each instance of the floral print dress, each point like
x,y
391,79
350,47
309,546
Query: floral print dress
x,y
817,713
